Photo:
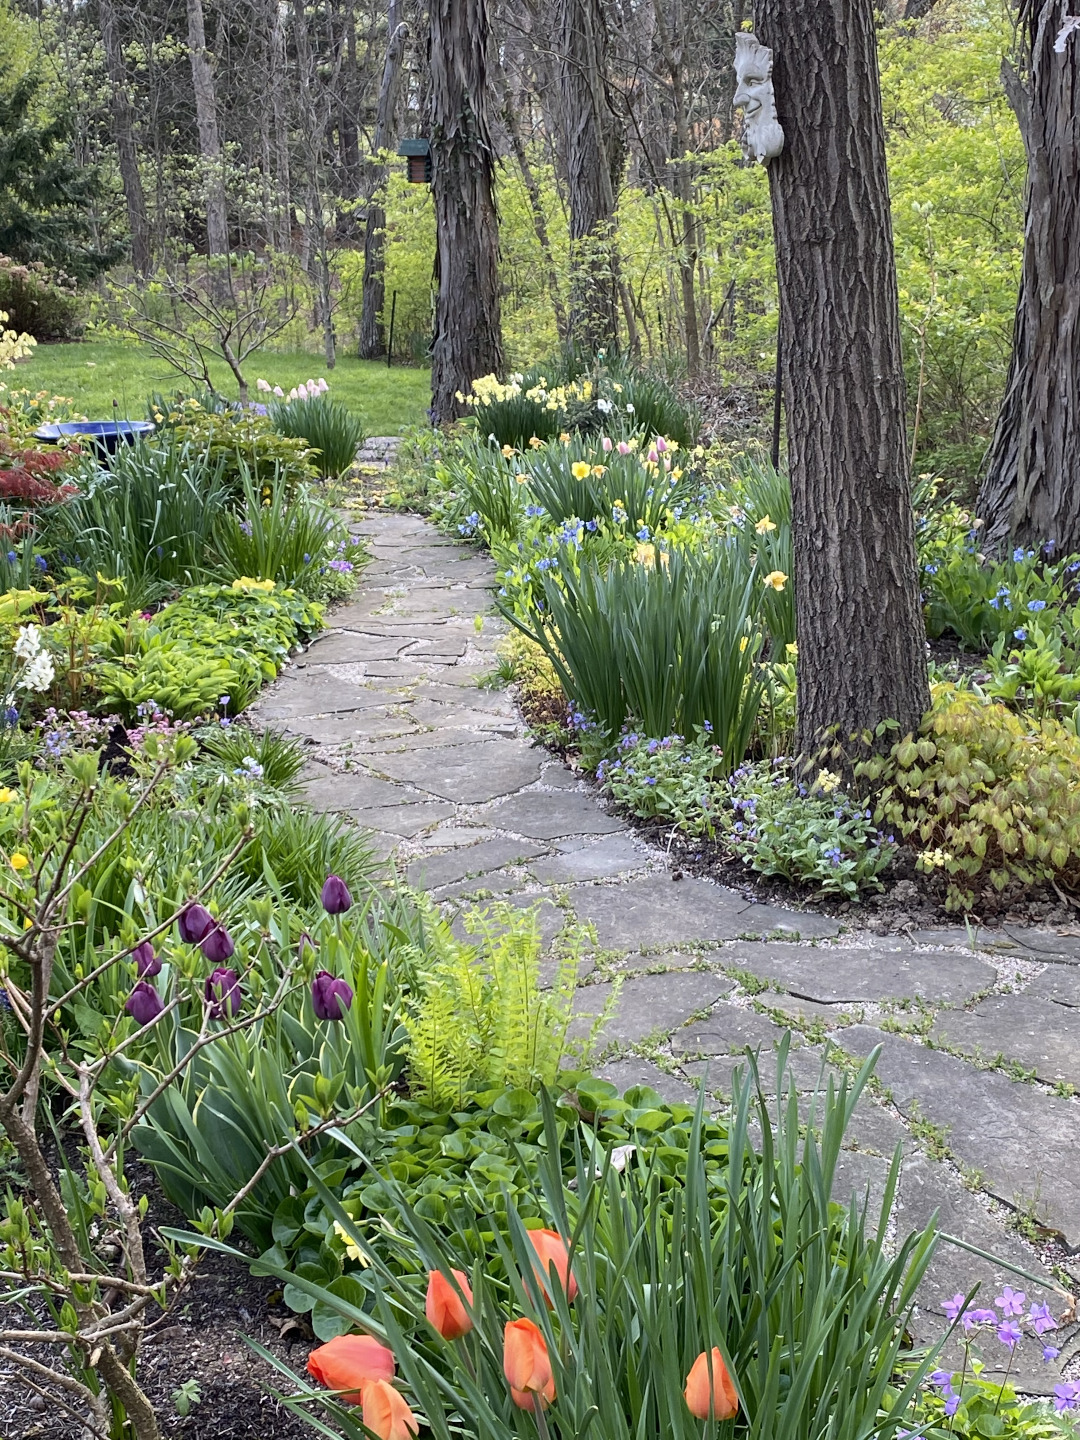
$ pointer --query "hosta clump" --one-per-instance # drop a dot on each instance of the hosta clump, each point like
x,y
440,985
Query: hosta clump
x,y
813,834
675,780
986,795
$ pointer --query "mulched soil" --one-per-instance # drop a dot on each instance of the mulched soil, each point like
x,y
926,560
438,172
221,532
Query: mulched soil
x,y
201,1338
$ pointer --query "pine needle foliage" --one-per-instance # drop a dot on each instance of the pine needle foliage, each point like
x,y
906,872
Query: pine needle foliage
x,y
480,1018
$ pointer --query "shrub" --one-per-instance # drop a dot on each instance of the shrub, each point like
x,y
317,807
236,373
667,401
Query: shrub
x,y
813,834
243,442
332,431
986,796
480,1018
673,780
43,305
978,600
670,647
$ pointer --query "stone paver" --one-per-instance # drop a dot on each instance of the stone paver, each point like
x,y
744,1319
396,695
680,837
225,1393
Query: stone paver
x,y
447,778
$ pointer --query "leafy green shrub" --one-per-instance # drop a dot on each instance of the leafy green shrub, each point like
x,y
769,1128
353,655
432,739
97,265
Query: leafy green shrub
x,y
281,532
987,796
480,1017
332,431
147,520
978,601
816,835
806,1300
670,647
673,779
38,303
215,641
243,441
1039,673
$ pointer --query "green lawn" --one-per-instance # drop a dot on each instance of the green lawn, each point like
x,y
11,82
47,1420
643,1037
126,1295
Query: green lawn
x,y
95,374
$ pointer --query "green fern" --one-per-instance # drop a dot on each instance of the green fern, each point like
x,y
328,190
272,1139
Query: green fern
x,y
480,1018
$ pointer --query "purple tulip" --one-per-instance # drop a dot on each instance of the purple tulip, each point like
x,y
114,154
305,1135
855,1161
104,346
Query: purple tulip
x,y
193,923
222,992
335,896
217,945
146,962
144,1004
330,997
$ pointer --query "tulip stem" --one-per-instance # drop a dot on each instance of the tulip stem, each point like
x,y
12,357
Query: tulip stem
x,y
467,1358
541,1422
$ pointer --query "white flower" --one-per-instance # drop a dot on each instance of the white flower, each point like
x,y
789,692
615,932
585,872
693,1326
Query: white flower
x,y
279,392
629,409
323,386
38,675
262,385
604,406
29,642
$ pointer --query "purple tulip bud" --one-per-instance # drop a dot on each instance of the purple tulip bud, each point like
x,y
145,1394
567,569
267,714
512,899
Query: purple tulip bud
x,y
330,997
146,962
306,944
193,923
144,1004
217,945
335,896
223,995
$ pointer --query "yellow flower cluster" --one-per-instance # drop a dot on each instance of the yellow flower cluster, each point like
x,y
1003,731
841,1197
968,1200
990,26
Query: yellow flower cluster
x,y
247,583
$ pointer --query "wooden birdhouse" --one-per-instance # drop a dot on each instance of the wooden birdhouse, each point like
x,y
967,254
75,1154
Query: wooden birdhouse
x,y
417,155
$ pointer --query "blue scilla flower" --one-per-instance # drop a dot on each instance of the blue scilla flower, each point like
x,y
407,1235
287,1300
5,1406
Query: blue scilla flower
x,y
1020,634
590,525
1036,604
643,533
41,563
12,557
930,569
1018,554
546,564
531,511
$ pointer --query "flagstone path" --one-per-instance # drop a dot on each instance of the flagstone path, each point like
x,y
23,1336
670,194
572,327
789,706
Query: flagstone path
x,y
980,1041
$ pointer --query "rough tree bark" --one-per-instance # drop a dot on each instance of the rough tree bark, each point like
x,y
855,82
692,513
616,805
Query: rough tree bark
x,y
1030,493
682,180
468,334
124,135
861,634
594,152
202,79
372,330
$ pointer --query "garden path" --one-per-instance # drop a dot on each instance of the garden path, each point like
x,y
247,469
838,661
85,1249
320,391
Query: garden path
x,y
980,1033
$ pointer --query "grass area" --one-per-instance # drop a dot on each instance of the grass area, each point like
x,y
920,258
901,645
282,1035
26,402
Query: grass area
x,y
94,374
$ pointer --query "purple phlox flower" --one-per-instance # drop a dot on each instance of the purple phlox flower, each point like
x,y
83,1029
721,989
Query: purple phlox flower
x,y
972,1318
330,997
222,994
335,896
1011,1301
1066,1396
1009,1333
952,1403
942,1379
1041,1319
146,962
194,924
144,1004
217,945
1050,1352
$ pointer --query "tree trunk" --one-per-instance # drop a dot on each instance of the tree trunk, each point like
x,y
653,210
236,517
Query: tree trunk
x,y
124,135
202,78
372,330
468,335
279,112
671,43
593,160
1030,494
861,634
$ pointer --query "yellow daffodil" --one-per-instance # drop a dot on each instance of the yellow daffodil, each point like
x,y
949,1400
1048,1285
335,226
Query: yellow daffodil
x,y
743,644
352,1250
777,579
535,443
508,450
645,554
579,470
764,525
19,861
565,437
599,469
6,795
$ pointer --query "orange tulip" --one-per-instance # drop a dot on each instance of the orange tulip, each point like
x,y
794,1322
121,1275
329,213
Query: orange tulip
x,y
350,1362
386,1414
527,1365
715,1399
552,1250
443,1306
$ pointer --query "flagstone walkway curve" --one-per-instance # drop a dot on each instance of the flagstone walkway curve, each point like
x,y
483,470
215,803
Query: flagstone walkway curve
x,y
981,1045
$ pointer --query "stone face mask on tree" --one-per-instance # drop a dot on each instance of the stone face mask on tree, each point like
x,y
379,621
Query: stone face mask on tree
x,y
762,136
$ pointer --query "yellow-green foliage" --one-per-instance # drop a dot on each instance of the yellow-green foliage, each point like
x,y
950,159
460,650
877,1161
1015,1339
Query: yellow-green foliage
x,y
481,1019
987,796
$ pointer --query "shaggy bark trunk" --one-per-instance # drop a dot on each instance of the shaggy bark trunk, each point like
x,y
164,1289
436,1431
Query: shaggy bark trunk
x,y
1030,494
593,160
372,330
861,633
202,79
468,335
124,135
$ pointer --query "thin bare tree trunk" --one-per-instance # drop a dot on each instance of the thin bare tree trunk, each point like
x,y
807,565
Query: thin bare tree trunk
x,y
124,135
682,180
860,628
536,209
202,78
372,331
468,334
1030,494
314,122
279,112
